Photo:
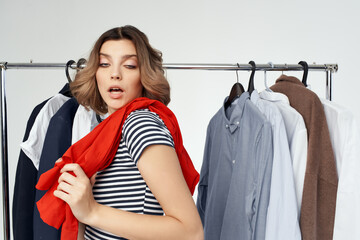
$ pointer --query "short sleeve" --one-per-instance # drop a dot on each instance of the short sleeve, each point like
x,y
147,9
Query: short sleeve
x,y
144,128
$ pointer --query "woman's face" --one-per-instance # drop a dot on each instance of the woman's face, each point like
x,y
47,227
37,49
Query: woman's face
x,y
118,74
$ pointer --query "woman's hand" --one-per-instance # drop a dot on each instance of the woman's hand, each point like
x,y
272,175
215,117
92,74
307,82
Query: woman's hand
x,y
77,191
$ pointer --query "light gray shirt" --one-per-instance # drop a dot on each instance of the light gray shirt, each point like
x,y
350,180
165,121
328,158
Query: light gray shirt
x,y
235,178
297,137
282,222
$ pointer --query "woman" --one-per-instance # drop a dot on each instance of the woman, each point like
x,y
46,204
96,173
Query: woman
x,y
145,176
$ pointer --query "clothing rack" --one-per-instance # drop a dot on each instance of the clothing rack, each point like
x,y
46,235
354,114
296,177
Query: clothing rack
x,y
328,68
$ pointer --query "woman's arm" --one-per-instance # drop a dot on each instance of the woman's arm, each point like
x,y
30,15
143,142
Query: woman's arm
x,y
161,170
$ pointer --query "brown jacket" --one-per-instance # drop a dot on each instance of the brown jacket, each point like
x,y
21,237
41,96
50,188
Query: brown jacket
x,y
320,184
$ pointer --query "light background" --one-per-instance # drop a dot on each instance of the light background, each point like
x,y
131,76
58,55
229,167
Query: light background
x,y
186,31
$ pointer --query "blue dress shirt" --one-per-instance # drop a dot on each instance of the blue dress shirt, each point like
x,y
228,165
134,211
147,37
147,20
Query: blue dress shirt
x,y
235,178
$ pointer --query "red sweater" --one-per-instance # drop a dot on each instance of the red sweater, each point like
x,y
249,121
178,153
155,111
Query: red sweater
x,y
95,152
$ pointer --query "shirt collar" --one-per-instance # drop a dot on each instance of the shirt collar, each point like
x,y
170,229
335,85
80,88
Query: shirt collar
x,y
274,97
255,96
233,114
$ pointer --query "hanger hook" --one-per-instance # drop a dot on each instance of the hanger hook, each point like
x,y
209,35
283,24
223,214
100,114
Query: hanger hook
x,y
271,64
265,77
79,64
251,80
68,64
237,75
305,74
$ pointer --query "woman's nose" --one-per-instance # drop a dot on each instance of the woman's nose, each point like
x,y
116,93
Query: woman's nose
x,y
116,75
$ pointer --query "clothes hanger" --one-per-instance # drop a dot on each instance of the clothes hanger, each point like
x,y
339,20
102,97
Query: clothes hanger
x,y
306,70
68,64
251,80
236,90
80,62
265,78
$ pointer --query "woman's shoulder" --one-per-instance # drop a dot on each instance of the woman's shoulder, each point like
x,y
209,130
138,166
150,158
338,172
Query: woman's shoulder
x,y
142,118
141,115
143,128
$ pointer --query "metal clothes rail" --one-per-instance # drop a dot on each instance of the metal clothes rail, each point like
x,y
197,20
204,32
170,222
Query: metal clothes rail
x,y
328,68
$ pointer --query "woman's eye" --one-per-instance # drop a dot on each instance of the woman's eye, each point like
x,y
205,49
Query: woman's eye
x,y
130,66
103,64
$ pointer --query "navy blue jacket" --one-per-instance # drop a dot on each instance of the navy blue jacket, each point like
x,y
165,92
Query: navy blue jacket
x,y
25,181
57,141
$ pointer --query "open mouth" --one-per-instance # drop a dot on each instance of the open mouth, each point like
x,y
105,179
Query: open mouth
x,y
114,89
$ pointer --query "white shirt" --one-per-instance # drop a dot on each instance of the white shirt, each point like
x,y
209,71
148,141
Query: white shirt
x,y
84,122
297,137
33,146
282,222
345,139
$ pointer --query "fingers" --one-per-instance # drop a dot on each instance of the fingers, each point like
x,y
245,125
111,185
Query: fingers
x,y
62,195
71,188
67,177
78,180
70,184
74,167
64,191
65,187
76,190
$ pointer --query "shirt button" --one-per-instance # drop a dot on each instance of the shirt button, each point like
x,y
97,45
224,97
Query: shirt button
x,y
233,161
226,126
237,123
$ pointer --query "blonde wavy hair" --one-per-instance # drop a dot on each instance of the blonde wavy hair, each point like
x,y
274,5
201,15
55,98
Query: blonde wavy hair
x,y
155,86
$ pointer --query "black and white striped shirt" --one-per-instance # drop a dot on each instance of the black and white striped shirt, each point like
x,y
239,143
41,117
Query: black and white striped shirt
x,y
121,185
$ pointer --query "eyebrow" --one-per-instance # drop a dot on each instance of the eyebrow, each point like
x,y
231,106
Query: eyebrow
x,y
127,56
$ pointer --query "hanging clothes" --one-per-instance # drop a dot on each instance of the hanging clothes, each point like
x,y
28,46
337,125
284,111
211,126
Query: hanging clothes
x,y
282,220
235,177
320,184
57,141
297,138
25,181
84,122
33,146
345,139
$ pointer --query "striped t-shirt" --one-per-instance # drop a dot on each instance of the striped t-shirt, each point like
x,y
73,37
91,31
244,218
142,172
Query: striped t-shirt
x,y
121,185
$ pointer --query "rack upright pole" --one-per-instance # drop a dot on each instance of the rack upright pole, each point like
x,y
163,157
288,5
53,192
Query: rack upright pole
x,y
329,80
4,155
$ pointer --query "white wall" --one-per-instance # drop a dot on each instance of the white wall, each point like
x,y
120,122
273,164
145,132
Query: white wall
x,y
186,31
